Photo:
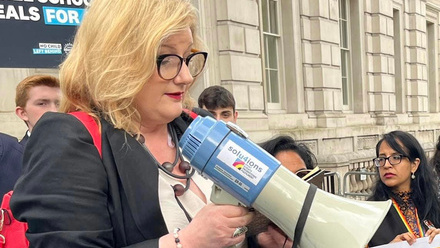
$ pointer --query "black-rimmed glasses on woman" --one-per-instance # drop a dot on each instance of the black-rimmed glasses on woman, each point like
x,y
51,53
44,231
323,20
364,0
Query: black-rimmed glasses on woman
x,y
169,65
393,159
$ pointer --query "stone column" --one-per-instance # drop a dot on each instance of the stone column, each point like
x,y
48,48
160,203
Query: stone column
x,y
416,67
380,56
240,64
321,61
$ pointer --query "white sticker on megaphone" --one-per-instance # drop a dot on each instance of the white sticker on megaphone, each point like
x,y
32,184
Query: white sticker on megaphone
x,y
242,162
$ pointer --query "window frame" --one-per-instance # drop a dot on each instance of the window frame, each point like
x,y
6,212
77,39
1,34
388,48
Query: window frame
x,y
347,93
274,106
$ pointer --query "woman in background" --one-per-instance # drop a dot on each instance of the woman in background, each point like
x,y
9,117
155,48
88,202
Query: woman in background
x,y
293,155
406,178
297,158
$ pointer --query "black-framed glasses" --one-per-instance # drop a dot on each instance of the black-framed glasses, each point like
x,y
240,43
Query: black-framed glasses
x,y
169,65
393,159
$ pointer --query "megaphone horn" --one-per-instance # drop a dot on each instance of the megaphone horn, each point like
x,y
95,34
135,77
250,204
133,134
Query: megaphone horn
x,y
333,221
244,172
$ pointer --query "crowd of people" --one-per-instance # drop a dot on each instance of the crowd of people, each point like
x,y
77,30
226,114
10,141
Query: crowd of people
x,y
132,77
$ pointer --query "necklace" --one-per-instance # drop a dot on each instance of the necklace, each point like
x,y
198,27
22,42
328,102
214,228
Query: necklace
x,y
168,167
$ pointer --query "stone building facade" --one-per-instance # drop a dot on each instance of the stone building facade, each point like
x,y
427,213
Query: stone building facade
x,y
335,74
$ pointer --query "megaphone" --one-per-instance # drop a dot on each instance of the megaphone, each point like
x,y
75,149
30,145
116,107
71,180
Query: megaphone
x,y
248,174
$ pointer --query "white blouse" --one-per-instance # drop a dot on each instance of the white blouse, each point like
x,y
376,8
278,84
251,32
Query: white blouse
x,y
173,214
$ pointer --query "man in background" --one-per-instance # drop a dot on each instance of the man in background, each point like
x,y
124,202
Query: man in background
x,y
36,95
219,102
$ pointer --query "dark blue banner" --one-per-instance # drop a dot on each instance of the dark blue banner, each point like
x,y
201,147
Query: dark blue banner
x,y
38,33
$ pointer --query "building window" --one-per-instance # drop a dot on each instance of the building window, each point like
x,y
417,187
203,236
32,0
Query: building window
x,y
272,41
345,52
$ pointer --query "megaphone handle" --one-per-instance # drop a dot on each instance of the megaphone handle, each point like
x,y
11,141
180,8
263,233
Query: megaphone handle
x,y
303,215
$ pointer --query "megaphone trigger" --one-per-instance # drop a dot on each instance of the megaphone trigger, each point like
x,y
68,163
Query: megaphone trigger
x,y
219,196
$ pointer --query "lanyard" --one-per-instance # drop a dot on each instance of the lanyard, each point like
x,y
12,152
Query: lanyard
x,y
405,222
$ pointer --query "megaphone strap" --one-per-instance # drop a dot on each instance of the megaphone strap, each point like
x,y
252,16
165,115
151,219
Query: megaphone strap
x,y
303,215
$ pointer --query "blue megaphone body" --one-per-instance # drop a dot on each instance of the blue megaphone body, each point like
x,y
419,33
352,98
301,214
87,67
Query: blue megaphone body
x,y
239,166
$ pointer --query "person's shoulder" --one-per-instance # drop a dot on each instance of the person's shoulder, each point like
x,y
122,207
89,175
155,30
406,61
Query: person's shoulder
x,y
8,142
57,117
6,138
55,122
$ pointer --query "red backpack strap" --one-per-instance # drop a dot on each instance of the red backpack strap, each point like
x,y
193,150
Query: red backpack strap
x,y
89,122
190,113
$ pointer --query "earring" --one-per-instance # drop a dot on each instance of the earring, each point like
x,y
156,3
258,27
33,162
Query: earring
x,y
413,176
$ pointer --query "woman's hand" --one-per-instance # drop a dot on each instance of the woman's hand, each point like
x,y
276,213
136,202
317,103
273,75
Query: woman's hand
x,y
431,233
273,237
408,237
214,226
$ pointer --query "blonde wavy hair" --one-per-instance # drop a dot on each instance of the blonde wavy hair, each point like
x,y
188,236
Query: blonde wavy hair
x,y
114,54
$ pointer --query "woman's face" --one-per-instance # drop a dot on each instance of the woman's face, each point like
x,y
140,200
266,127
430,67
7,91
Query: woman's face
x,y
160,100
291,160
398,176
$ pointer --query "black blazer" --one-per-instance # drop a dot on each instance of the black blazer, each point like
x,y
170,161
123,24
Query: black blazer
x,y
72,198
11,155
390,227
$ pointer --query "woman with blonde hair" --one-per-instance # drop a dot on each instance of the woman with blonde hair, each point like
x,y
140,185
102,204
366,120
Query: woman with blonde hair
x,y
130,68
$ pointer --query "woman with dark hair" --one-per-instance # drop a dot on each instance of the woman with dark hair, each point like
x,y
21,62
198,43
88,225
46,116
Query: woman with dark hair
x,y
297,158
290,153
406,178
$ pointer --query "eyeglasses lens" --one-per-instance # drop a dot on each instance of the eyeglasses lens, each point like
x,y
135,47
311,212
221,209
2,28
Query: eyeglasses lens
x,y
196,64
170,67
395,159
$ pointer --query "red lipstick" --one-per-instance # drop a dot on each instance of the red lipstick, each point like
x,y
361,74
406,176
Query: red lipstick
x,y
175,95
388,175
